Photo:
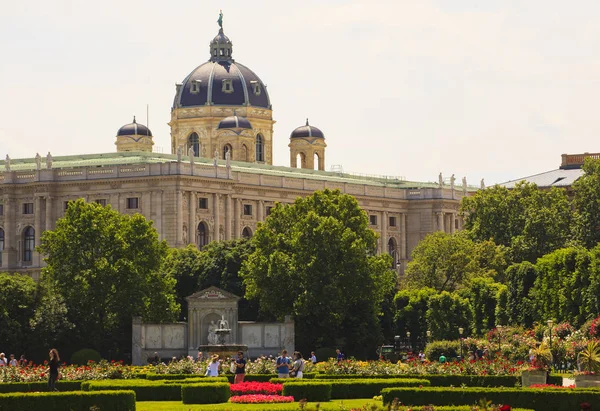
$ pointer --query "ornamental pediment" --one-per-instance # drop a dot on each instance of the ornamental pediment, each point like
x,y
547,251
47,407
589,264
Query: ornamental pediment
x,y
212,293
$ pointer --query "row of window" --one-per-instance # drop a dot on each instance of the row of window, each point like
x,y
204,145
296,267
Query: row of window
x,y
203,204
194,144
202,237
391,220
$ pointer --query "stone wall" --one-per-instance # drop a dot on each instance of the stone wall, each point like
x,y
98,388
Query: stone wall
x,y
267,338
168,340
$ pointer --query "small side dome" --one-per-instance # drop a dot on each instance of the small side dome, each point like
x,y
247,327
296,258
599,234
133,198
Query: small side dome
x,y
234,122
134,129
307,131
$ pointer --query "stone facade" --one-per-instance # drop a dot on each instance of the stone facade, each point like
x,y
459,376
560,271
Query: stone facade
x,y
200,202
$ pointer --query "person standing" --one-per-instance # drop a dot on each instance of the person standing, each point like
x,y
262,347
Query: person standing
x,y
298,368
340,355
283,365
53,369
442,358
313,357
240,368
13,361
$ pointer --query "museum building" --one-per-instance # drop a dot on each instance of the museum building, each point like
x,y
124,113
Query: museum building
x,y
218,182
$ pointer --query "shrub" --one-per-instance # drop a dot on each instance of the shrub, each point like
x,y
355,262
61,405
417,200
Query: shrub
x,y
307,390
144,390
39,386
434,350
205,393
83,356
325,353
75,401
561,400
369,388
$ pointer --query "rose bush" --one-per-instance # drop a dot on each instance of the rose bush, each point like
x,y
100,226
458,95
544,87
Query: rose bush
x,y
260,399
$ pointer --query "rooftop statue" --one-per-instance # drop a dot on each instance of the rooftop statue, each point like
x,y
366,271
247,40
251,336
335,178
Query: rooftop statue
x,y
220,21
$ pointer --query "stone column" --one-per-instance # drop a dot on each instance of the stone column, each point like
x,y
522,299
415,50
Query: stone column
x,y
452,222
228,213
49,216
10,236
136,341
384,233
191,330
236,217
157,212
440,221
192,217
260,216
403,236
37,226
216,216
179,218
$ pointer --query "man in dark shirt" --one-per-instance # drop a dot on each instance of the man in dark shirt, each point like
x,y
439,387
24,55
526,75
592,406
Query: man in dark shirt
x,y
240,368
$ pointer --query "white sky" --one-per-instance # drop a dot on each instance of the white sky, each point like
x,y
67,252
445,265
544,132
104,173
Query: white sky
x,y
491,88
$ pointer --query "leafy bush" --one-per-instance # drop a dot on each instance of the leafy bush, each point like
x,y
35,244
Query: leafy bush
x,y
325,353
450,349
39,386
205,393
561,400
83,356
369,388
75,401
308,390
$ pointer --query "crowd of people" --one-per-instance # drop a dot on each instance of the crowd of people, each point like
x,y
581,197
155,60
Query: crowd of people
x,y
12,361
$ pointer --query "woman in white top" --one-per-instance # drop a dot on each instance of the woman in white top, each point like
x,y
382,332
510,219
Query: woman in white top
x,y
213,367
298,368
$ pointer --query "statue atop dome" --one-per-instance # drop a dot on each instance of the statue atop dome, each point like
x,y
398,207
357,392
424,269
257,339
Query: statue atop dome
x,y
220,20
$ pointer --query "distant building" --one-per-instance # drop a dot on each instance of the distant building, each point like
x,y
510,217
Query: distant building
x,y
563,177
218,182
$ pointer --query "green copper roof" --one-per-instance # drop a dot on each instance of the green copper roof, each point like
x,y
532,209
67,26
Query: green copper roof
x,y
127,158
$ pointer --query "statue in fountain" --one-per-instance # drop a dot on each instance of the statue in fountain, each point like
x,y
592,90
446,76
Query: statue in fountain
x,y
212,335
223,324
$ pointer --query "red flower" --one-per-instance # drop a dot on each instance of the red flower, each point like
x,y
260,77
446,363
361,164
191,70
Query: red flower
x,y
585,406
505,408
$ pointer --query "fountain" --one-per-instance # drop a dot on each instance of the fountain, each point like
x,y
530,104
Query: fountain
x,y
218,341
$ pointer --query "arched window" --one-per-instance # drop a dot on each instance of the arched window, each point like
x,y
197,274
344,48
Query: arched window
x,y
202,235
244,152
260,148
246,233
226,148
28,244
194,142
1,244
316,161
393,251
301,160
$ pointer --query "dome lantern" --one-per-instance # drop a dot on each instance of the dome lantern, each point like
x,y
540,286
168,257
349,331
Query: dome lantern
x,y
221,47
307,147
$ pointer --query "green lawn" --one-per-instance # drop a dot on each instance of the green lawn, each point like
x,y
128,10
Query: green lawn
x,y
336,405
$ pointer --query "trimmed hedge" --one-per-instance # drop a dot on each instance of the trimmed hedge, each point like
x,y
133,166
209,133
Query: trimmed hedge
x,y
444,380
538,400
39,386
309,390
144,390
205,393
73,401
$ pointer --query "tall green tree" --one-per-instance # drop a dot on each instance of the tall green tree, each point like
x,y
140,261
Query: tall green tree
x,y
217,264
586,203
446,313
314,259
520,279
411,309
17,302
106,267
483,297
529,221
447,262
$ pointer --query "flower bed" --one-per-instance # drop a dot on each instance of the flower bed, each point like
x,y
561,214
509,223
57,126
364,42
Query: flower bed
x,y
259,388
260,399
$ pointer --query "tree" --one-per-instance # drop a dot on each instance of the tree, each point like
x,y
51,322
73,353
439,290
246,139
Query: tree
x,y
411,309
17,301
313,259
105,265
447,262
446,313
529,221
520,279
483,297
586,203
217,264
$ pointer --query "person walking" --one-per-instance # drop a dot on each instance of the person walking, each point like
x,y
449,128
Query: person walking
x,y
213,367
53,364
283,365
240,368
313,357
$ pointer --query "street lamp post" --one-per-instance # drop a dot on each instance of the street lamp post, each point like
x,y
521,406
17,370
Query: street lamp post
x,y
499,328
408,340
428,336
550,322
460,331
